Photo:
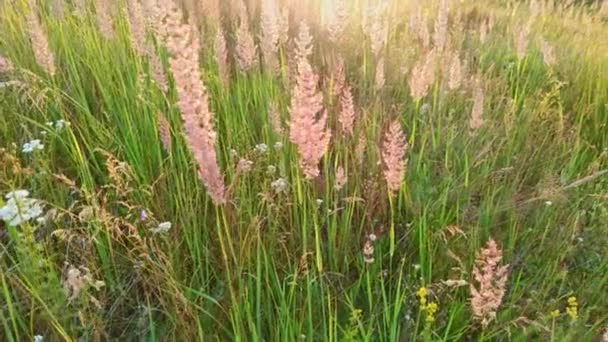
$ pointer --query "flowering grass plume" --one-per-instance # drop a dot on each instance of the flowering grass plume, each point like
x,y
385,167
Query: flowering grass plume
x,y
347,111
221,55
547,51
274,117
419,27
338,77
40,43
306,130
271,34
164,131
104,10
394,151
422,76
440,35
491,279
245,45
380,79
137,27
341,178
483,31
337,21
158,71
476,120
183,45
303,43
211,11
521,41
456,72
377,28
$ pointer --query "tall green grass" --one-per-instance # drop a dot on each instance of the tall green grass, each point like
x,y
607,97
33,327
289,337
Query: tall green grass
x,y
290,266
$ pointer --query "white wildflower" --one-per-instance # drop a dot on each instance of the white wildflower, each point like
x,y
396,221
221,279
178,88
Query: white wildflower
x,y
32,146
17,194
38,338
60,124
261,148
319,202
19,208
280,185
278,145
162,228
244,165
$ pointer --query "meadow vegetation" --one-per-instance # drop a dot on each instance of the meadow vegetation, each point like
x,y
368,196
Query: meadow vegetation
x,y
286,170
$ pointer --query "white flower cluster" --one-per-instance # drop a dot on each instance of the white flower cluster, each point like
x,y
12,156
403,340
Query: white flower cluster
x,y
261,148
19,208
59,125
162,228
280,186
32,146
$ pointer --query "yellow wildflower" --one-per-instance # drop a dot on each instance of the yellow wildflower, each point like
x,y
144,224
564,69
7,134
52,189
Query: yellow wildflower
x,y
421,294
554,314
572,309
431,309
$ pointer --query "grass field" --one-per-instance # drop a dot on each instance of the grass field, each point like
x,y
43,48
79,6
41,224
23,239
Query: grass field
x,y
303,170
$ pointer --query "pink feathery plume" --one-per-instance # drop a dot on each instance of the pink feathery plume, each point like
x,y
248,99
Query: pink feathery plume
x,y
283,22
337,21
380,79
40,43
270,35
491,279
419,27
393,154
547,51
423,76
274,117
456,72
245,45
164,131
339,77
476,119
377,28
211,9
347,111
341,178
360,148
441,26
306,130
158,71
104,11
303,43
137,27
221,54
183,46
521,41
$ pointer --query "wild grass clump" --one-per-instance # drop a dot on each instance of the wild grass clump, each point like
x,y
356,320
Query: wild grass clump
x,y
303,170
